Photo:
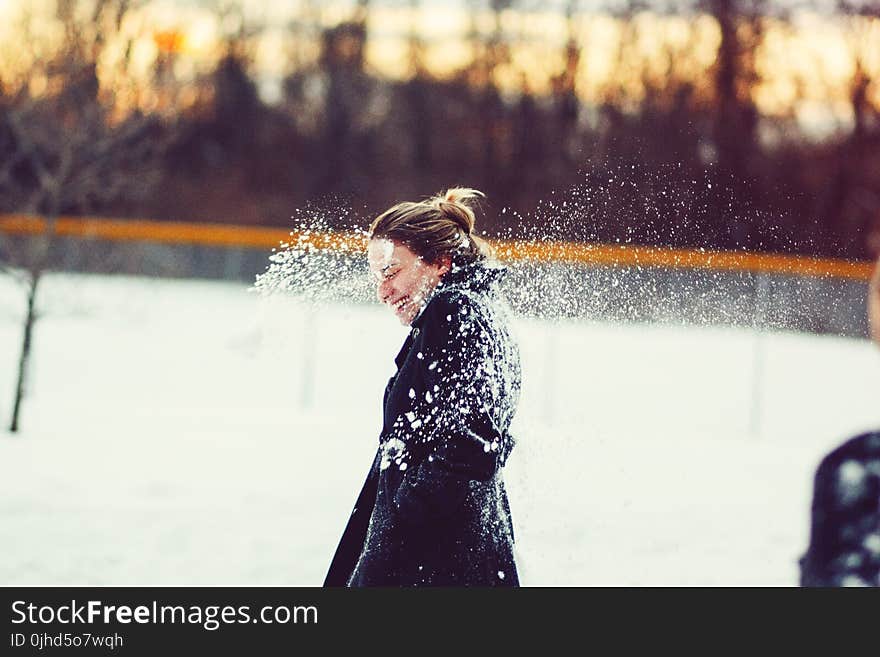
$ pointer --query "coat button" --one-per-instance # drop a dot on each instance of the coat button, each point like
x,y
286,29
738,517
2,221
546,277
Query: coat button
x,y
415,332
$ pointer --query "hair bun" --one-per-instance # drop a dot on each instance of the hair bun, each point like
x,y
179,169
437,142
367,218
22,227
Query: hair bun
x,y
458,214
438,226
454,203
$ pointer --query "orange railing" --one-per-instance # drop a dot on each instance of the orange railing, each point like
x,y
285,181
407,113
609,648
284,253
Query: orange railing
x,y
595,254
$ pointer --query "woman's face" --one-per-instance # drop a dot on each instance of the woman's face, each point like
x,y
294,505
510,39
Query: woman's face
x,y
403,279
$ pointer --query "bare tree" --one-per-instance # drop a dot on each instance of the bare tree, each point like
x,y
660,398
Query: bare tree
x,y
68,150
851,199
742,24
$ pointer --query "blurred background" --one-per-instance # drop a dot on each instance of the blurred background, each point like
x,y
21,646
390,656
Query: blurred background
x,y
734,124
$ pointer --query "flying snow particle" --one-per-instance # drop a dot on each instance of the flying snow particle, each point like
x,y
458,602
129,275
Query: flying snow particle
x,y
387,247
872,543
853,581
851,481
853,560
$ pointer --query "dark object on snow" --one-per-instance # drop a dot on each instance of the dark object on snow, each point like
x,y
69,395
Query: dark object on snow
x,y
433,510
845,533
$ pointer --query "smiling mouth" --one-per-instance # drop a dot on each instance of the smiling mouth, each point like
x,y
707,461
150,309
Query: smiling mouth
x,y
400,304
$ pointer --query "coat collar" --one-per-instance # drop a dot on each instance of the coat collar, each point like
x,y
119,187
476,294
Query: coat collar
x,y
404,350
480,276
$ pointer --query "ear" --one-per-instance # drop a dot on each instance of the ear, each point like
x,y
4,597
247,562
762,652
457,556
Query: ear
x,y
445,264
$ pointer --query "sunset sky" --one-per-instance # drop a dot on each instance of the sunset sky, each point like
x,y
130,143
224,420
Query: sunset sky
x,y
813,53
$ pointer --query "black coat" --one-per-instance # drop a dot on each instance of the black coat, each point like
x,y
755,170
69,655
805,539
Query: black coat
x,y
845,520
433,510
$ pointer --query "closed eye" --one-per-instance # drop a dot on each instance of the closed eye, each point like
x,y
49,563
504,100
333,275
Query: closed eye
x,y
387,273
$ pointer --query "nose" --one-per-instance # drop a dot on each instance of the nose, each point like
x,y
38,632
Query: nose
x,y
384,291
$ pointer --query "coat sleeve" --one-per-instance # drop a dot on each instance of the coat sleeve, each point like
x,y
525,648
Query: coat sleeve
x,y
450,420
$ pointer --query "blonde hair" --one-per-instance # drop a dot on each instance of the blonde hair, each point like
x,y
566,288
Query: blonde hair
x,y
442,225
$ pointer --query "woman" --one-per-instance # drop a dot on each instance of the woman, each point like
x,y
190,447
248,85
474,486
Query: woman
x,y
844,545
433,510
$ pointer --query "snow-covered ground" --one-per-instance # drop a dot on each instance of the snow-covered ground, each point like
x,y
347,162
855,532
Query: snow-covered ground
x,y
191,432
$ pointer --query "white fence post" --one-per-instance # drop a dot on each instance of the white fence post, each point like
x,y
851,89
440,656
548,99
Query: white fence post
x,y
759,321
550,373
309,346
